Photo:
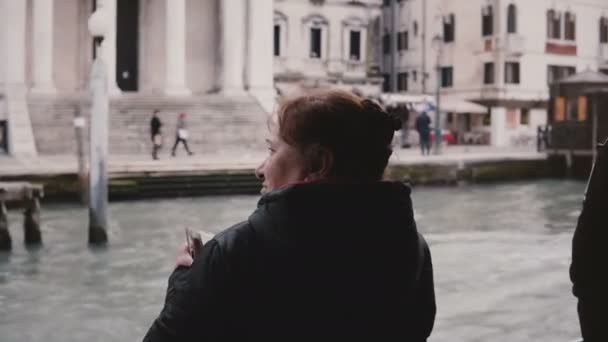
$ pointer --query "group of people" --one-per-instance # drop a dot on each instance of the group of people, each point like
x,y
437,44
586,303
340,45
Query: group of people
x,y
332,250
181,134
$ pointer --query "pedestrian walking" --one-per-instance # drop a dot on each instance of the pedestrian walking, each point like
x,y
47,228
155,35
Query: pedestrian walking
x,y
181,134
331,251
423,126
155,134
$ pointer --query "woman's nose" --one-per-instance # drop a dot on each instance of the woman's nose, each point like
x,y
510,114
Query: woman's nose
x,y
259,171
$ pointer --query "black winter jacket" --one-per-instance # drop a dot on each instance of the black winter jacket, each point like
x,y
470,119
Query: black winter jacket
x,y
589,268
313,261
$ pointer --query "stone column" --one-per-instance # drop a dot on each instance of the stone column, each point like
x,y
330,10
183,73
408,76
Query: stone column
x,y
176,48
233,46
260,61
14,28
43,46
498,134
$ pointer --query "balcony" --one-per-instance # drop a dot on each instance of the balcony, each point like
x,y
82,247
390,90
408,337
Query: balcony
x,y
561,47
515,44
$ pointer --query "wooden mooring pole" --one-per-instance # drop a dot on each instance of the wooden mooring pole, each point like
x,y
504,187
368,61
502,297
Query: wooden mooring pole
x,y
5,236
30,195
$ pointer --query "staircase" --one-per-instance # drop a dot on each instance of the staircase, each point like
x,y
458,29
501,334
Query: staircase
x,y
53,123
216,124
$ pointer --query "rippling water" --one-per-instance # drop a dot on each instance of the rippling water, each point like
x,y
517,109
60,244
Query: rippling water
x,y
501,255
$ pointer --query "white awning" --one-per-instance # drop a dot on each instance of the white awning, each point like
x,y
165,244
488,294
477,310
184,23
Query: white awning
x,y
461,106
422,102
396,98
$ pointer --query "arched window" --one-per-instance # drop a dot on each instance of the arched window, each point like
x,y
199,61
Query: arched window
x,y
512,19
570,26
316,28
487,21
354,33
604,30
554,30
280,34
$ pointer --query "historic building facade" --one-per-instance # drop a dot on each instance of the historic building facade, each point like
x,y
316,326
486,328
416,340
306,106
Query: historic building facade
x,y
499,53
172,47
176,55
327,43
222,61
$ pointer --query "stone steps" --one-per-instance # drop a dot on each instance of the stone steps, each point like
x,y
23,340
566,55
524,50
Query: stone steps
x,y
215,123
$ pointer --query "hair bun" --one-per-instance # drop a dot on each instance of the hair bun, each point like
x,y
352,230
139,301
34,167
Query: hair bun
x,y
391,119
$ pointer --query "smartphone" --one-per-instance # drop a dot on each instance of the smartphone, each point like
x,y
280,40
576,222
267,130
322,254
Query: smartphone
x,y
194,241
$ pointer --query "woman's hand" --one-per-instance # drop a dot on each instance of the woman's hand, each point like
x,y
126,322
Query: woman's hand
x,y
184,258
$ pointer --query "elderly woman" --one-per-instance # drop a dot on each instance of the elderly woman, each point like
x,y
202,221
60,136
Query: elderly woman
x,y
331,250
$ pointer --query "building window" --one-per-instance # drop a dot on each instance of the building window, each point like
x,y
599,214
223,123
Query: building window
x,y
487,21
554,25
316,28
447,79
512,19
402,40
524,116
386,3
488,73
604,71
386,85
355,45
277,40
280,33
604,30
3,136
415,29
558,72
402,81
315,42
570,29
414,75
512,72
449,25
386,43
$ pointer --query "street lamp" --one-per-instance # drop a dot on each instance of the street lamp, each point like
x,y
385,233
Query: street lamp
x,y
98,135
438,42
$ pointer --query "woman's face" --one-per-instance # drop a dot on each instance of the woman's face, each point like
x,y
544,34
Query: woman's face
x,y
283,166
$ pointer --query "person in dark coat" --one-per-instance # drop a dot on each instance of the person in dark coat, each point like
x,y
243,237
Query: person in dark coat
x,y
423,126
155,134
331,252
589,268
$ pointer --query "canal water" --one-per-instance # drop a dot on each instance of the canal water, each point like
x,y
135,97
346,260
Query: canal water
x,y
501,255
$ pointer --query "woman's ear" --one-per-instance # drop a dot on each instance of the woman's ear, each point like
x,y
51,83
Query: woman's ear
x,y
321,163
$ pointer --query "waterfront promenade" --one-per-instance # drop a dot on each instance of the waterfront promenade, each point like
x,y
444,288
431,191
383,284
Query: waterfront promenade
x,y
247,161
